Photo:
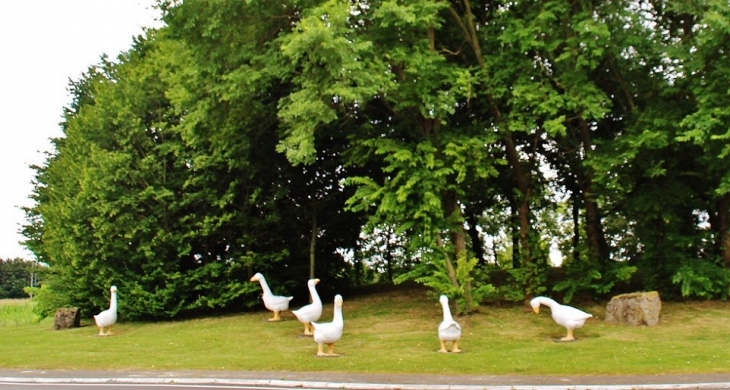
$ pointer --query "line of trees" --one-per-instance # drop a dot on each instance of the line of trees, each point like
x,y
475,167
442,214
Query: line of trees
x,y
455,143
19,277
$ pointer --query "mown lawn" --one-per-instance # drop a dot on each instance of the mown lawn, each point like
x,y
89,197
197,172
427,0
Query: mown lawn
x,y
391,332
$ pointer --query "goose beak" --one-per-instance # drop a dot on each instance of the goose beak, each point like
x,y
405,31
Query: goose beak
x,y
536,310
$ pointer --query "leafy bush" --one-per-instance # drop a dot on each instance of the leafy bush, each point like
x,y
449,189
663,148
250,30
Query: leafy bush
x,y
434,274
47,301
585,277
528,280
703,279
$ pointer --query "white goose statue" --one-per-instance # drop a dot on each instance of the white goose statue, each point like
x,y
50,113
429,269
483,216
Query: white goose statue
x,y
107,318
311,312
329,332
449,330
275,303
566,316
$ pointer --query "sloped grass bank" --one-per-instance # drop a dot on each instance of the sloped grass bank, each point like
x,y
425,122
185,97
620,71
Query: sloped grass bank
x,y
393,332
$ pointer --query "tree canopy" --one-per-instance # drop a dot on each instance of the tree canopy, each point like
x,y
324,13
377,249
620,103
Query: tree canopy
x,y
19,278
457,143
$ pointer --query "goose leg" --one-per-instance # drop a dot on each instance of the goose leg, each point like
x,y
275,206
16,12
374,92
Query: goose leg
x,y
307,332
109,331
455,346
320,352
101,331
569,337
276,317
331,350
443,347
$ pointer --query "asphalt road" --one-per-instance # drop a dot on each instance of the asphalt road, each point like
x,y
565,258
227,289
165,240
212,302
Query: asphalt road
x,y
116,386
111,386
129,380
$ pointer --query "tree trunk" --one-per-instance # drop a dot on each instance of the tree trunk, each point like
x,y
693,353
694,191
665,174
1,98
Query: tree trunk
x,y
450,271
450,202
469,29
514,233
458,237
576,226
312,246
597,246
523,202
723,229
476,241
389,257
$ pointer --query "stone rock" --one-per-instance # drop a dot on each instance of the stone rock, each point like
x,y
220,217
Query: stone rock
x,y
640,308
67,317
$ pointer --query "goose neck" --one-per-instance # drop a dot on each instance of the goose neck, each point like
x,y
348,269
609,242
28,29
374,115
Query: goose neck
x,y
264,286
338,318
447,311
313,293
549,302
113,301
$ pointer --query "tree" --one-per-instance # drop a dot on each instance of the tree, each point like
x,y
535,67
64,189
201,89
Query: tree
x,y
176,192
235,93
251,137
16,275
707,126
380,64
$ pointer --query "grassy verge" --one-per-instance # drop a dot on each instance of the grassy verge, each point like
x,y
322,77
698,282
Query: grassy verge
x,y
15,312
392,332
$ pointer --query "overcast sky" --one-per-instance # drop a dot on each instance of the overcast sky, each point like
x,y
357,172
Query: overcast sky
x,y
43,44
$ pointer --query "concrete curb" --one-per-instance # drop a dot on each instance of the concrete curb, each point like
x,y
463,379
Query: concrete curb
x,y
287,384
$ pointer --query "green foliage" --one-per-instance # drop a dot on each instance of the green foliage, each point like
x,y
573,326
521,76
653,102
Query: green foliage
x,y
413,189
16,275
584,277
31,291
241,135
578,280
703,279
167,182
384,253
434,274
524,282
336,68
47,301
477,281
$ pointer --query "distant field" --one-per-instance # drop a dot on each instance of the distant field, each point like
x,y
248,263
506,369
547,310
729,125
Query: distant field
x,y
15,312
391,332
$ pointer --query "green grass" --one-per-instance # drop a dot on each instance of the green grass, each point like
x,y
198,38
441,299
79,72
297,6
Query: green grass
x,y
15,312
393,332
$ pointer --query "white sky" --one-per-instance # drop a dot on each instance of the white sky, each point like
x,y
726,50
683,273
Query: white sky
x,y
43,44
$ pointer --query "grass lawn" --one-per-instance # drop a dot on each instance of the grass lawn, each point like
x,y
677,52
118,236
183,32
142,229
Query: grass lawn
x,y
390,332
